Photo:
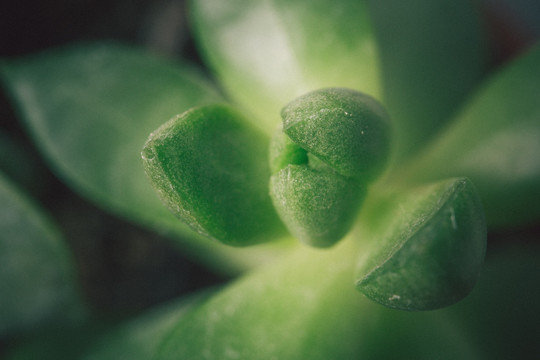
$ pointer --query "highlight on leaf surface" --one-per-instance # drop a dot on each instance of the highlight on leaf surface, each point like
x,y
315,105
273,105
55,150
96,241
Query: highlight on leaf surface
x,y
210,168
334,141
427,248
495,142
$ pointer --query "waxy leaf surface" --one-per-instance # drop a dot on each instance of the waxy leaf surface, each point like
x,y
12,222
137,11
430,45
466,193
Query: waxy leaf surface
x,y
427,246
318,207
347,129
210,167
305,307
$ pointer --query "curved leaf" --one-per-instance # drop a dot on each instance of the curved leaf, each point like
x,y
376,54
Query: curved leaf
x,y
37,282
495,142
268,52
318,207
305,307
91,108
427,246
433,53
211,169
347,129
140,337
334,142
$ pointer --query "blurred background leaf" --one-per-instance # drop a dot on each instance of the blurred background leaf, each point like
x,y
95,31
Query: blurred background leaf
x,y
37,281
495,141
90,109
423,248
267,53
433,54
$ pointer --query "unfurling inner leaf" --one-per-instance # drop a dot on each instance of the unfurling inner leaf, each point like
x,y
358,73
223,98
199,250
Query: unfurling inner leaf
x,y
334,142
209,167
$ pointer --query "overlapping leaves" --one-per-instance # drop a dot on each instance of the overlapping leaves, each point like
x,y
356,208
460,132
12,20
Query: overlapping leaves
x,y
266,54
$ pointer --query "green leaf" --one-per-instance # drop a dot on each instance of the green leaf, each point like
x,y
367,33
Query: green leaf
x,y
305,307
140,337
267,53
348,130
90,109
318,207
426,246
433,53
37,281
337,140
210,167
495,141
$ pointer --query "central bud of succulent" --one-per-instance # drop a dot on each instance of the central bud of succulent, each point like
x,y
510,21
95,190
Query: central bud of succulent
x,y
332,144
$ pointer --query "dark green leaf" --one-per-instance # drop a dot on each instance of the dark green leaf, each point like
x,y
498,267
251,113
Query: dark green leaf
x,y
210,166
334,142
139,338
348,130
318,207
495,141
305,307
267,53
37,279
427,246
433,53
91,108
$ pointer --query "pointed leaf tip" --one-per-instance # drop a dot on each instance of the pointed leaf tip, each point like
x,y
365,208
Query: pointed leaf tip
x,y
210,168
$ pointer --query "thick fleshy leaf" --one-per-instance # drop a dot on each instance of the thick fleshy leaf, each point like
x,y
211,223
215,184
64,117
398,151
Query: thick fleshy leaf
x,y
318,207
347,129
210,167
495,142
305,307
91,108
140,337
37,281
267,53
426,246
334,142
432,53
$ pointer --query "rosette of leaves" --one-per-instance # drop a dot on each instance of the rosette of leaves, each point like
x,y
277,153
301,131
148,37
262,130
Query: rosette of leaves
x,y
395,153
